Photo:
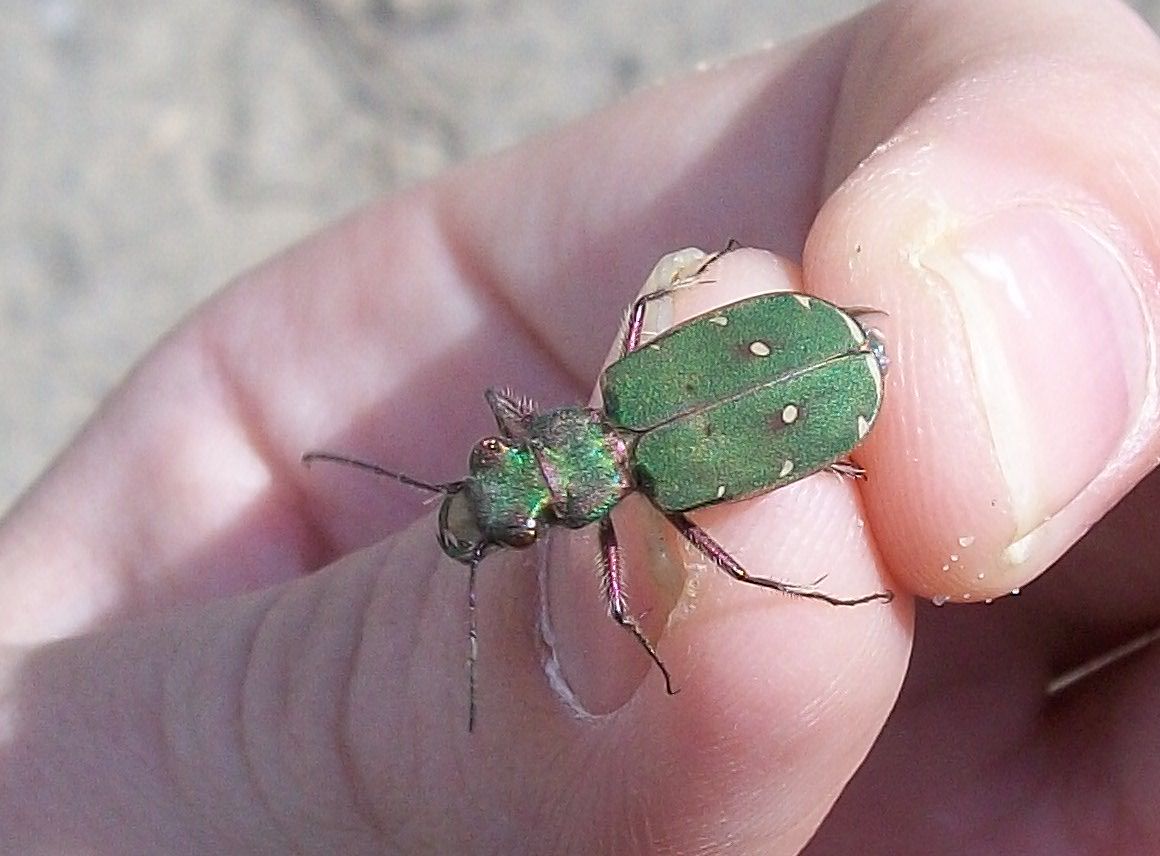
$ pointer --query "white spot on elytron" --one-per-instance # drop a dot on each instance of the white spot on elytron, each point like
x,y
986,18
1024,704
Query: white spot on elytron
x,y
981,575
966,595
786,469
939,599
759,349
789,414
946,567
720,490
803,300
966,540
719,320
1014,591
954,557
989,600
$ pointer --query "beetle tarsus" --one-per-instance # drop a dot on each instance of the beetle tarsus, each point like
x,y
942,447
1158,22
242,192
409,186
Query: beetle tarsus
x,y
848,469
635,325
860,311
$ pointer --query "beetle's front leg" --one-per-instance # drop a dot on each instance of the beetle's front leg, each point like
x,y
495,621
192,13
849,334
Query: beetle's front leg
x,y
684,277
512,414
613,582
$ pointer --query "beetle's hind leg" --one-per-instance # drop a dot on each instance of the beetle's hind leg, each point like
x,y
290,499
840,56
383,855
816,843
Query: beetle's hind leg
x,y
717,554
859,311
613,581
848,469
684,277
875,341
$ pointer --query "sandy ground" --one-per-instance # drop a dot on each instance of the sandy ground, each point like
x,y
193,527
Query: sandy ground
x,y
153,150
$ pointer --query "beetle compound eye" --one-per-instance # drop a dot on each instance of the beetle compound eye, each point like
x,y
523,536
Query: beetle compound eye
x,y
488,452
459,533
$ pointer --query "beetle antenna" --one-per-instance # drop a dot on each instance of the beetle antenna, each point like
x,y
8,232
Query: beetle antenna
x,y
450,487
472,636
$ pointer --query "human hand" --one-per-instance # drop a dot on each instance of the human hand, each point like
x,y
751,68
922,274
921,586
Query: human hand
x,y
203,655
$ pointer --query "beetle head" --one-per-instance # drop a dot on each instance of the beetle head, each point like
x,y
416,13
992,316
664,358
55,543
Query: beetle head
x,y
504,502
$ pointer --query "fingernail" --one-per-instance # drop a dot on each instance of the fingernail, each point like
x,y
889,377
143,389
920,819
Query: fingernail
x,y
1058,344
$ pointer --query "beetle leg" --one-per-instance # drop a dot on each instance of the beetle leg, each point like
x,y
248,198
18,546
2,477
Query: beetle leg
x,y
848,469
472,637
683,279
877,345
717,554
859,311
512,414
613,580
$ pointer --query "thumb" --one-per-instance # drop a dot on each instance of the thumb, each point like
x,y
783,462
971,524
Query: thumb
x,y
1008,227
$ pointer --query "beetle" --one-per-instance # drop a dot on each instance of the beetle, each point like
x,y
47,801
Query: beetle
x,y
730,404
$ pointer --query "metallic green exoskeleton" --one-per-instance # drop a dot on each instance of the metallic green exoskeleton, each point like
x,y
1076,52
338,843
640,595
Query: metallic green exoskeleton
x,y
745,399
733,403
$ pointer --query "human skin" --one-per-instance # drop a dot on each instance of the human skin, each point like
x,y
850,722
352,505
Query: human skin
x,y
209,648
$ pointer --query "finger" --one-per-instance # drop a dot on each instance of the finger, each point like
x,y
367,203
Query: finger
x,y
1010,242
378,337
327,715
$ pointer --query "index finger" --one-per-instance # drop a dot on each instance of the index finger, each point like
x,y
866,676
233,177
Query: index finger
x,y
378,336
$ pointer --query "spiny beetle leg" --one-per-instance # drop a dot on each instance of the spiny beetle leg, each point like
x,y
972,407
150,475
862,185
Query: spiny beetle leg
x,y
472,637
859,311
877,345
717,554
635,327
848,469
512,414
613,582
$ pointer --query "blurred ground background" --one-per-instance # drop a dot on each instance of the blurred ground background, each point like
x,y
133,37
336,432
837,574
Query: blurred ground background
x,y
150,151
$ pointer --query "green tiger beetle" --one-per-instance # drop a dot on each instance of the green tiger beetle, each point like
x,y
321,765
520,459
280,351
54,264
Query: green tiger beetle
x,y
731,404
